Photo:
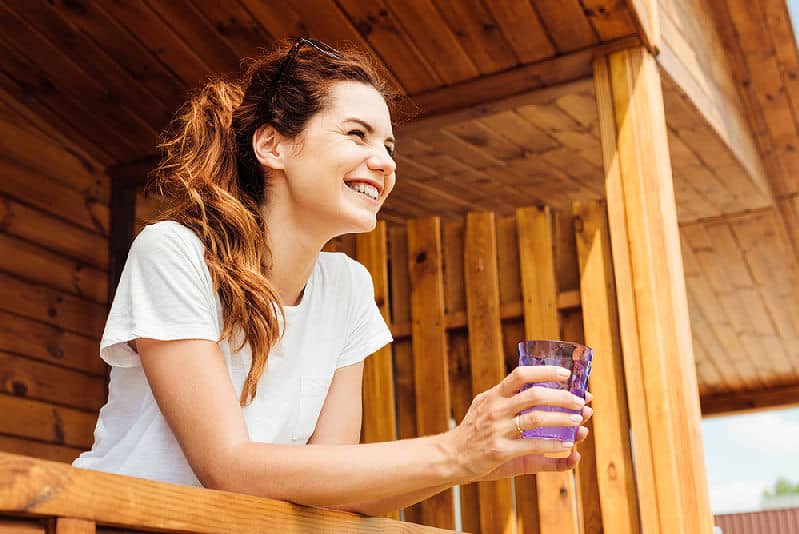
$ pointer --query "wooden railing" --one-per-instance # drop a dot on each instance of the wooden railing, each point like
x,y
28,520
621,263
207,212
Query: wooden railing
x,y
51,497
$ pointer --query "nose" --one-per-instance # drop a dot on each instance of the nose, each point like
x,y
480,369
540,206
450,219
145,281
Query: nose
x,y
381,161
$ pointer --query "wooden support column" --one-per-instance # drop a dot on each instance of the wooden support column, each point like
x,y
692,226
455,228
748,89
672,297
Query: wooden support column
x,y
485,345
653,308
379,419
429,339
614,467
553,492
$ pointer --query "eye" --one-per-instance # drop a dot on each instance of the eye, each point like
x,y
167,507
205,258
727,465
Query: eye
x,y
360,134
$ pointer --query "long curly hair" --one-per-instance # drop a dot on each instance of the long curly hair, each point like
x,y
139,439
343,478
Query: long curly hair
x,y
213,184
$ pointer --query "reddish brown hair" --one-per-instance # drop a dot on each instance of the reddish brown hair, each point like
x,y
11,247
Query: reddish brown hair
x,y
213,184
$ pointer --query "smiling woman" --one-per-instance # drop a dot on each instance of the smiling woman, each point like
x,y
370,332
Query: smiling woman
x,y
233,339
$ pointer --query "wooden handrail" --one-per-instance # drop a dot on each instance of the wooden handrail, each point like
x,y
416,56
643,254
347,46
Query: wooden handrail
x,y
32,487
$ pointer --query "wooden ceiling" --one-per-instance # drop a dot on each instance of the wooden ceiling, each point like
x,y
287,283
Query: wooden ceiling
x,y
111,74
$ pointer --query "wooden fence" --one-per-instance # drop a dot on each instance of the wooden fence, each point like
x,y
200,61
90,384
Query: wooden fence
x,y
459,295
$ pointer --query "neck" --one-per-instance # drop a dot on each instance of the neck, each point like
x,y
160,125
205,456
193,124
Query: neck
x,y
295,250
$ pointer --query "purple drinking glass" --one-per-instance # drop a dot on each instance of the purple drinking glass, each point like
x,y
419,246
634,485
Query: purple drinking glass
x,y
574,357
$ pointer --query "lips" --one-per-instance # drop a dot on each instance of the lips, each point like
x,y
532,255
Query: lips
x,y
368,181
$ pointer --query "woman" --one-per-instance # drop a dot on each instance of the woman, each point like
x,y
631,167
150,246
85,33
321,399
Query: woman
x,y
232,339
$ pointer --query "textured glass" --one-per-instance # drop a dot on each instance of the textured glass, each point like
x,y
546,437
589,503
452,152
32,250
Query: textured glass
x,y
574,357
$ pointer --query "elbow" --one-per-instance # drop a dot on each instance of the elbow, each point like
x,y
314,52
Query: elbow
x,y
218,471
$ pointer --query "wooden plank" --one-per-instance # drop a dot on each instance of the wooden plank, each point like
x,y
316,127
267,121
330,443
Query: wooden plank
x,y
405,389
38,449
523,29
746,401
661,313
30,379
69,525
615,477
123,224
53,197
479,33
40,488
49,344
236,27
51,306
384,32
45,230
567,24
32,419
29,262
379,419
556,497
429,349
485,346
610,19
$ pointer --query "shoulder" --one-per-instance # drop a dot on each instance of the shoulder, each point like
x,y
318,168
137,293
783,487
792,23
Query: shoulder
x,y
167,237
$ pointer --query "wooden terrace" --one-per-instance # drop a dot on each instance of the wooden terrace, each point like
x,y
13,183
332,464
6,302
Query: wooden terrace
x,y
619,172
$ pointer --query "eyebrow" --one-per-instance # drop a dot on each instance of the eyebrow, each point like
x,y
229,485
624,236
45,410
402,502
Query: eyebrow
x,y
369,128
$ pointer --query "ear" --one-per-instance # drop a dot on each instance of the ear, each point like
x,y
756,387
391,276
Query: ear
x,y
270,147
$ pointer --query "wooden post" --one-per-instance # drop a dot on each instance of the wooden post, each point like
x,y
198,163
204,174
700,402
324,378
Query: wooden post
x,y
379,419
617,493
428,328
65,525
557,505
485,344
653,307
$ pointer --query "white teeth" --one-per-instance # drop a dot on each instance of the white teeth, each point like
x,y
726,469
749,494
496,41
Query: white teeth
x,y
367,189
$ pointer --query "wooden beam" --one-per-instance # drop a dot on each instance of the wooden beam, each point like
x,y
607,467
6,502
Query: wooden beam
x,y
556,498
69,525
646,251
528,84
37,488
645,14
617,491
429,341
737,402
485,346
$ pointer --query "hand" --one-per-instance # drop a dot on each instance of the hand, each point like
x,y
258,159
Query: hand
x,y
487,445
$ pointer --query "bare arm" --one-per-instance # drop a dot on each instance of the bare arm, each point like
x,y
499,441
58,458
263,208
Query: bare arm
x,y
190,382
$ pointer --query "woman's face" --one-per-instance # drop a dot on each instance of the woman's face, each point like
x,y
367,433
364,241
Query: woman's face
x,y
340,170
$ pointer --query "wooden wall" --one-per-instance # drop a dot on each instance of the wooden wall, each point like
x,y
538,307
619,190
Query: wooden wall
x,y
54,220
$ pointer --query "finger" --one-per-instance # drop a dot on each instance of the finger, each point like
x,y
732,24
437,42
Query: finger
x,y
560,464
523,447
588,397
544,396
588,412
540,418
582,433
527,374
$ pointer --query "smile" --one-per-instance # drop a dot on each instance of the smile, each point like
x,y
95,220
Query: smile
x,y
365,189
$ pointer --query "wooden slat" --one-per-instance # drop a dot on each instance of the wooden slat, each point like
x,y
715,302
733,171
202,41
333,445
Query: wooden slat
x,y
485,346
746,401
22,377
236,27
39,488
385,34
68,525
379,419
566,24
69,240
25,418
27,261
655,270
53,197
523,29
429,348
555,491
38,449
609,18
616,480
21,526
405,389
452,243
49,344
51,306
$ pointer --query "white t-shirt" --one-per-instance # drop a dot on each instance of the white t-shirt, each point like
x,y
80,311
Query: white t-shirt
x,y
166,293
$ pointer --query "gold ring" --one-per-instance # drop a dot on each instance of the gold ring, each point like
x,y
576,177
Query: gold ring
x,y
518,426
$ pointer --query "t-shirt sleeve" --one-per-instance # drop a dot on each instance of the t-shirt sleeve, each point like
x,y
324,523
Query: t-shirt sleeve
x,y
165,292
367,330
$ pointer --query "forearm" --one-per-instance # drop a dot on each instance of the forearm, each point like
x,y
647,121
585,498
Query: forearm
x,y
329,475
390,504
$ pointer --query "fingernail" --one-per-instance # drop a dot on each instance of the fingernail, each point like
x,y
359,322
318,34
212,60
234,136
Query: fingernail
x,y
567,444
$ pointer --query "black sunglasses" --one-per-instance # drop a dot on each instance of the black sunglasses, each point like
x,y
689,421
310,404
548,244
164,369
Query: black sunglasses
x,y
299,42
